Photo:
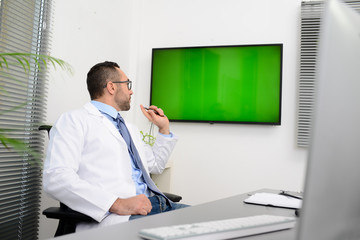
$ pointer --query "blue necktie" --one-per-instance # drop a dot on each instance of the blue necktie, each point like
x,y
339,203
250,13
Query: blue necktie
x,y
135,155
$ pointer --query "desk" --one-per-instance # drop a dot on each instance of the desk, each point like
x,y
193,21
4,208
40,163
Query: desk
x,y
231,207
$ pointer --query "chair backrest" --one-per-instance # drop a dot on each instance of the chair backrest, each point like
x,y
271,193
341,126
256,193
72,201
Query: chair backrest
x,y
45,127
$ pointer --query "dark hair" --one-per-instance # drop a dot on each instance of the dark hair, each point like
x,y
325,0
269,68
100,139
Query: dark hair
x,y
99,75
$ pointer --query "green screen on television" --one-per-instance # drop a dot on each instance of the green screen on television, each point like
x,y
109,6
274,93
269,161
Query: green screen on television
x,y
238,84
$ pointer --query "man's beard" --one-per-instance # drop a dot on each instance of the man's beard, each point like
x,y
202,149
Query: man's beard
x,y
124,105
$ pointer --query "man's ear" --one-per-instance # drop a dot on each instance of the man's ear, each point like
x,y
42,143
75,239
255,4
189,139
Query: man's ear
x,y
110,88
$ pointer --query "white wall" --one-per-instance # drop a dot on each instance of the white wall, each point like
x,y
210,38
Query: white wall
x,y
210,161
230,158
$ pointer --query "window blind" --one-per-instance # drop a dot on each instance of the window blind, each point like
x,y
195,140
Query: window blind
x,y
310,29
24,27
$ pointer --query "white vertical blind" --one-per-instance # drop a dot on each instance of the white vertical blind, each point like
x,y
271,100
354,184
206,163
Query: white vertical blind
x,y
310,29
23,28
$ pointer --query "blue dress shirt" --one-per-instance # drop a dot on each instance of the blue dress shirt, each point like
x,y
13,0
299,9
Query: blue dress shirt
x,y
111,113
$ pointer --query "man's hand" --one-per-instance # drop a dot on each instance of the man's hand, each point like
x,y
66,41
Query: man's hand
x,y
138,205
161,121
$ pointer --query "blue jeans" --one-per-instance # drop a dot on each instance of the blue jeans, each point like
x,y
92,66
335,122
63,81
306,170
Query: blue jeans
x,y
159,205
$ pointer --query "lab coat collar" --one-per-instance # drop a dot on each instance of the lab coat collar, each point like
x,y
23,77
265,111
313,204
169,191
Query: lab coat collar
x,y
94,111
104,108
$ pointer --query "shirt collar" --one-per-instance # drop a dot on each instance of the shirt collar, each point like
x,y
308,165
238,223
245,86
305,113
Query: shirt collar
x,y
104,108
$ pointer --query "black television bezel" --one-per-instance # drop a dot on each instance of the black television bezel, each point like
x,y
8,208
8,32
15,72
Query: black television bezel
x,y
224,46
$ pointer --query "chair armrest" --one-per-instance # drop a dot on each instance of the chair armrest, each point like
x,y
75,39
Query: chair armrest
x,y
65,213
173,197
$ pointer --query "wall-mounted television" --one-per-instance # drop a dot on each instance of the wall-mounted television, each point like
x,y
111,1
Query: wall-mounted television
x,y
218,84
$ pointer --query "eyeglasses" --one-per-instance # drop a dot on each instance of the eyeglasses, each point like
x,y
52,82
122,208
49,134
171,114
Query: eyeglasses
x,y
129,83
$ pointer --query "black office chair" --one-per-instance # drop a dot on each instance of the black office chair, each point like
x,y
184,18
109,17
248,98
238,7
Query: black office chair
x,y
68,218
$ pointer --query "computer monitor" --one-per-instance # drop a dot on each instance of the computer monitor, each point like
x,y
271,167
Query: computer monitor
x,y
331,208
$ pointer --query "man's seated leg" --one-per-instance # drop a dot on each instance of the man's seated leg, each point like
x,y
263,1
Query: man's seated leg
x,y
160,205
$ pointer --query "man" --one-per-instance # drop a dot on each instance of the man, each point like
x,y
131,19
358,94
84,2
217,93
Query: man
x,y
97,164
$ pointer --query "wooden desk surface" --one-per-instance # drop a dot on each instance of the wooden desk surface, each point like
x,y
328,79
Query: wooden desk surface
x,y
231,207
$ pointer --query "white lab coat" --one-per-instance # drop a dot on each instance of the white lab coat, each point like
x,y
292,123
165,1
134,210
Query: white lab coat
x,y
88,166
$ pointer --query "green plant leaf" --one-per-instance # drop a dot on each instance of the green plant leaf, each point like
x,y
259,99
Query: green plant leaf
x,y
148,138
5,61
21,147
22,59
13,109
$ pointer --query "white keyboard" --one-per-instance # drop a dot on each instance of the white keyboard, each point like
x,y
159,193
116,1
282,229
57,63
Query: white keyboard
x,y
221,229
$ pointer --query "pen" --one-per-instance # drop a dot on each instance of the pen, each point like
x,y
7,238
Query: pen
x,y
290,195
146,108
